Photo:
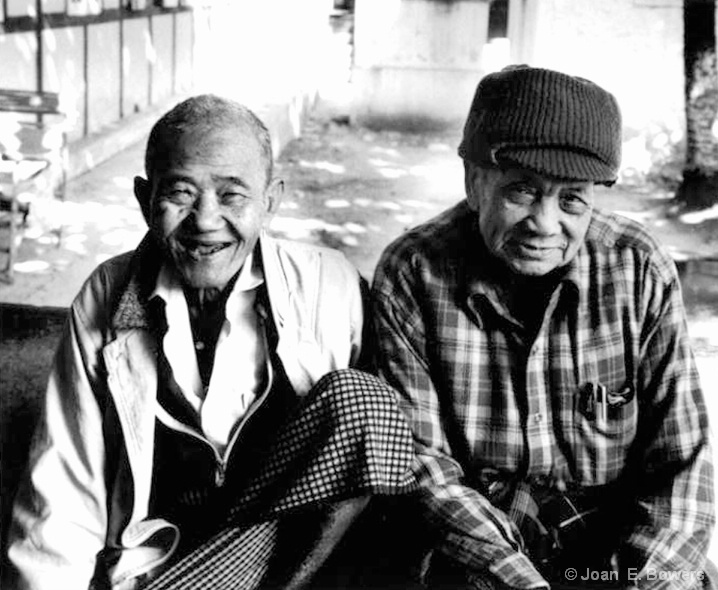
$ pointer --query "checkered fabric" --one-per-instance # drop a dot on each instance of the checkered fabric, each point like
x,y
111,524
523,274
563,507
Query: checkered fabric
x,y
482,390
347,439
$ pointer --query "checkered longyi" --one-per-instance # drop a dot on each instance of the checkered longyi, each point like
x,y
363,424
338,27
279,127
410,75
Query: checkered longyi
x,y
347,439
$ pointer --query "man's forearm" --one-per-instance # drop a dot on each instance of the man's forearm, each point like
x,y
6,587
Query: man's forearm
x,y
479,537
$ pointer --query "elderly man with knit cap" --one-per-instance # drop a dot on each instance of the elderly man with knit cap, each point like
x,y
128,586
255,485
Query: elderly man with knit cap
x,y
538,346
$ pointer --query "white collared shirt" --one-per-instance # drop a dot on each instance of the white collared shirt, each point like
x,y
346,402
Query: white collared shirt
x,y
240,372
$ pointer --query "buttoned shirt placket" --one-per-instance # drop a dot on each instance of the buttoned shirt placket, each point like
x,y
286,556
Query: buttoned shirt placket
x,y
542,457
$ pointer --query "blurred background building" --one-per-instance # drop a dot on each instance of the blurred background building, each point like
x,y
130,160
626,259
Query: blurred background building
x,y
113,61
417,61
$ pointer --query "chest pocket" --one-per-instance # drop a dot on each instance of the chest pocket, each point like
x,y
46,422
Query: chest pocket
x,y
605,409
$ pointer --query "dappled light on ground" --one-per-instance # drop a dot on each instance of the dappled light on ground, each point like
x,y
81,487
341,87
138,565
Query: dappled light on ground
x,y
91,229
122,237
327,166
699,216
301,229
64,241
392,172
640,216
415,204
677,254
27,266
390,152
336,203
377,186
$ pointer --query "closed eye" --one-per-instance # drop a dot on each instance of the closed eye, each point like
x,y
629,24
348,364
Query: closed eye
x,y
235,196
178,196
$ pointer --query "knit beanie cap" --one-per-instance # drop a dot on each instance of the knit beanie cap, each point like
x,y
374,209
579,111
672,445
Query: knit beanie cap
x,y
555,124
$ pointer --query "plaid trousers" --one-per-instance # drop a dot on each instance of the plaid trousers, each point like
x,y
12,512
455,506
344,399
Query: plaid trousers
x,y
346,439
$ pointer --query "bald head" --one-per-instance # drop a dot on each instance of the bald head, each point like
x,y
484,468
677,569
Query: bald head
x,y
203,115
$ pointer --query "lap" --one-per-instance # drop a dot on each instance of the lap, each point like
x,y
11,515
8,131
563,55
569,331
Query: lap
x,y
345,439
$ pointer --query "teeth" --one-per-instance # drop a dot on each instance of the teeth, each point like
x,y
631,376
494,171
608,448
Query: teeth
x,y
201,250
210,249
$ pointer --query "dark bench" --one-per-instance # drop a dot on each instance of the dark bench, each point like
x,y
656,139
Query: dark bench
x,y
33,161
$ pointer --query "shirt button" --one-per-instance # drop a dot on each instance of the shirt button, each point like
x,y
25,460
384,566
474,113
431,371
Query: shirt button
x,y
538,417
199,345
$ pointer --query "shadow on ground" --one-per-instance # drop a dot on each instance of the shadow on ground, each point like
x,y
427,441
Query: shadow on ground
x,y
28,336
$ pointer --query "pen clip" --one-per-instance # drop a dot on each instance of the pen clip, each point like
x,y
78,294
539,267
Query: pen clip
x,y
602,404
596,401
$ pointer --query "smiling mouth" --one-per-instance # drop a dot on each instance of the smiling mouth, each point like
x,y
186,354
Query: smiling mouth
x,y
531,251
197,250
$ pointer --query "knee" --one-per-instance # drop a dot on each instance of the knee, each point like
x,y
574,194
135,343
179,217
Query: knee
x,y
357,395
353,386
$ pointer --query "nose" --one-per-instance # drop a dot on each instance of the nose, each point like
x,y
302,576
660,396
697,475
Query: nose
x,y
207,212
545,218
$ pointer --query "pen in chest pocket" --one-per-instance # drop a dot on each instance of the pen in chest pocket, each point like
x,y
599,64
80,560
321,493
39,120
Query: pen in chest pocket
x,y
601,404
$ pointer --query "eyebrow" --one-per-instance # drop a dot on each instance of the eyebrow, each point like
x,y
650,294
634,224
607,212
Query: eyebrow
x,y
577,187
231,180
176,178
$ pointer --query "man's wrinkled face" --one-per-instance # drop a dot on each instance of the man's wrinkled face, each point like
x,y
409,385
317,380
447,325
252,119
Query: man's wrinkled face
x,y
530,222
208,202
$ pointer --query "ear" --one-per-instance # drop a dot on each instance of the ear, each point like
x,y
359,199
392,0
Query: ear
x,y
470,178
143,194
274,193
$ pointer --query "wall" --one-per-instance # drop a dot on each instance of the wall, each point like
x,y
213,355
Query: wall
x,y
118,67
417,62
106,65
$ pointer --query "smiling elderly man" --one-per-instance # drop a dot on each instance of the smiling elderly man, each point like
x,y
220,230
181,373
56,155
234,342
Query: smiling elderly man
x,y
203,427
540,351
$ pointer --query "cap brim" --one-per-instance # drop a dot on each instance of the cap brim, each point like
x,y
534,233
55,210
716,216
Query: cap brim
x,y
559,163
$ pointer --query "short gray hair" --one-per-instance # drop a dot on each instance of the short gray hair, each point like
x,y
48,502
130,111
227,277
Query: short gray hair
x,y
205,112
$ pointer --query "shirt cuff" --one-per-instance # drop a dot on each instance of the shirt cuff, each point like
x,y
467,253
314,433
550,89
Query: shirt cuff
x,y
517,571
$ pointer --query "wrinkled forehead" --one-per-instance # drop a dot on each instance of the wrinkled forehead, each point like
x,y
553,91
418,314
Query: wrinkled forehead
x,y
203,139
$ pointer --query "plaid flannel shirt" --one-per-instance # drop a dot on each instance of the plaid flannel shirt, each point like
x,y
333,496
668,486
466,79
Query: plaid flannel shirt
x,y
481,394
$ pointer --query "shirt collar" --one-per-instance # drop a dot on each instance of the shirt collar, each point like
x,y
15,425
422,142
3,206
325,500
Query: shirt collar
x,y
250,277
251,274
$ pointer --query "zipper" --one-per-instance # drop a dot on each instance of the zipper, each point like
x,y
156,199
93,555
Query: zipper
x,y
220,473
219,463
221,466
220,470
